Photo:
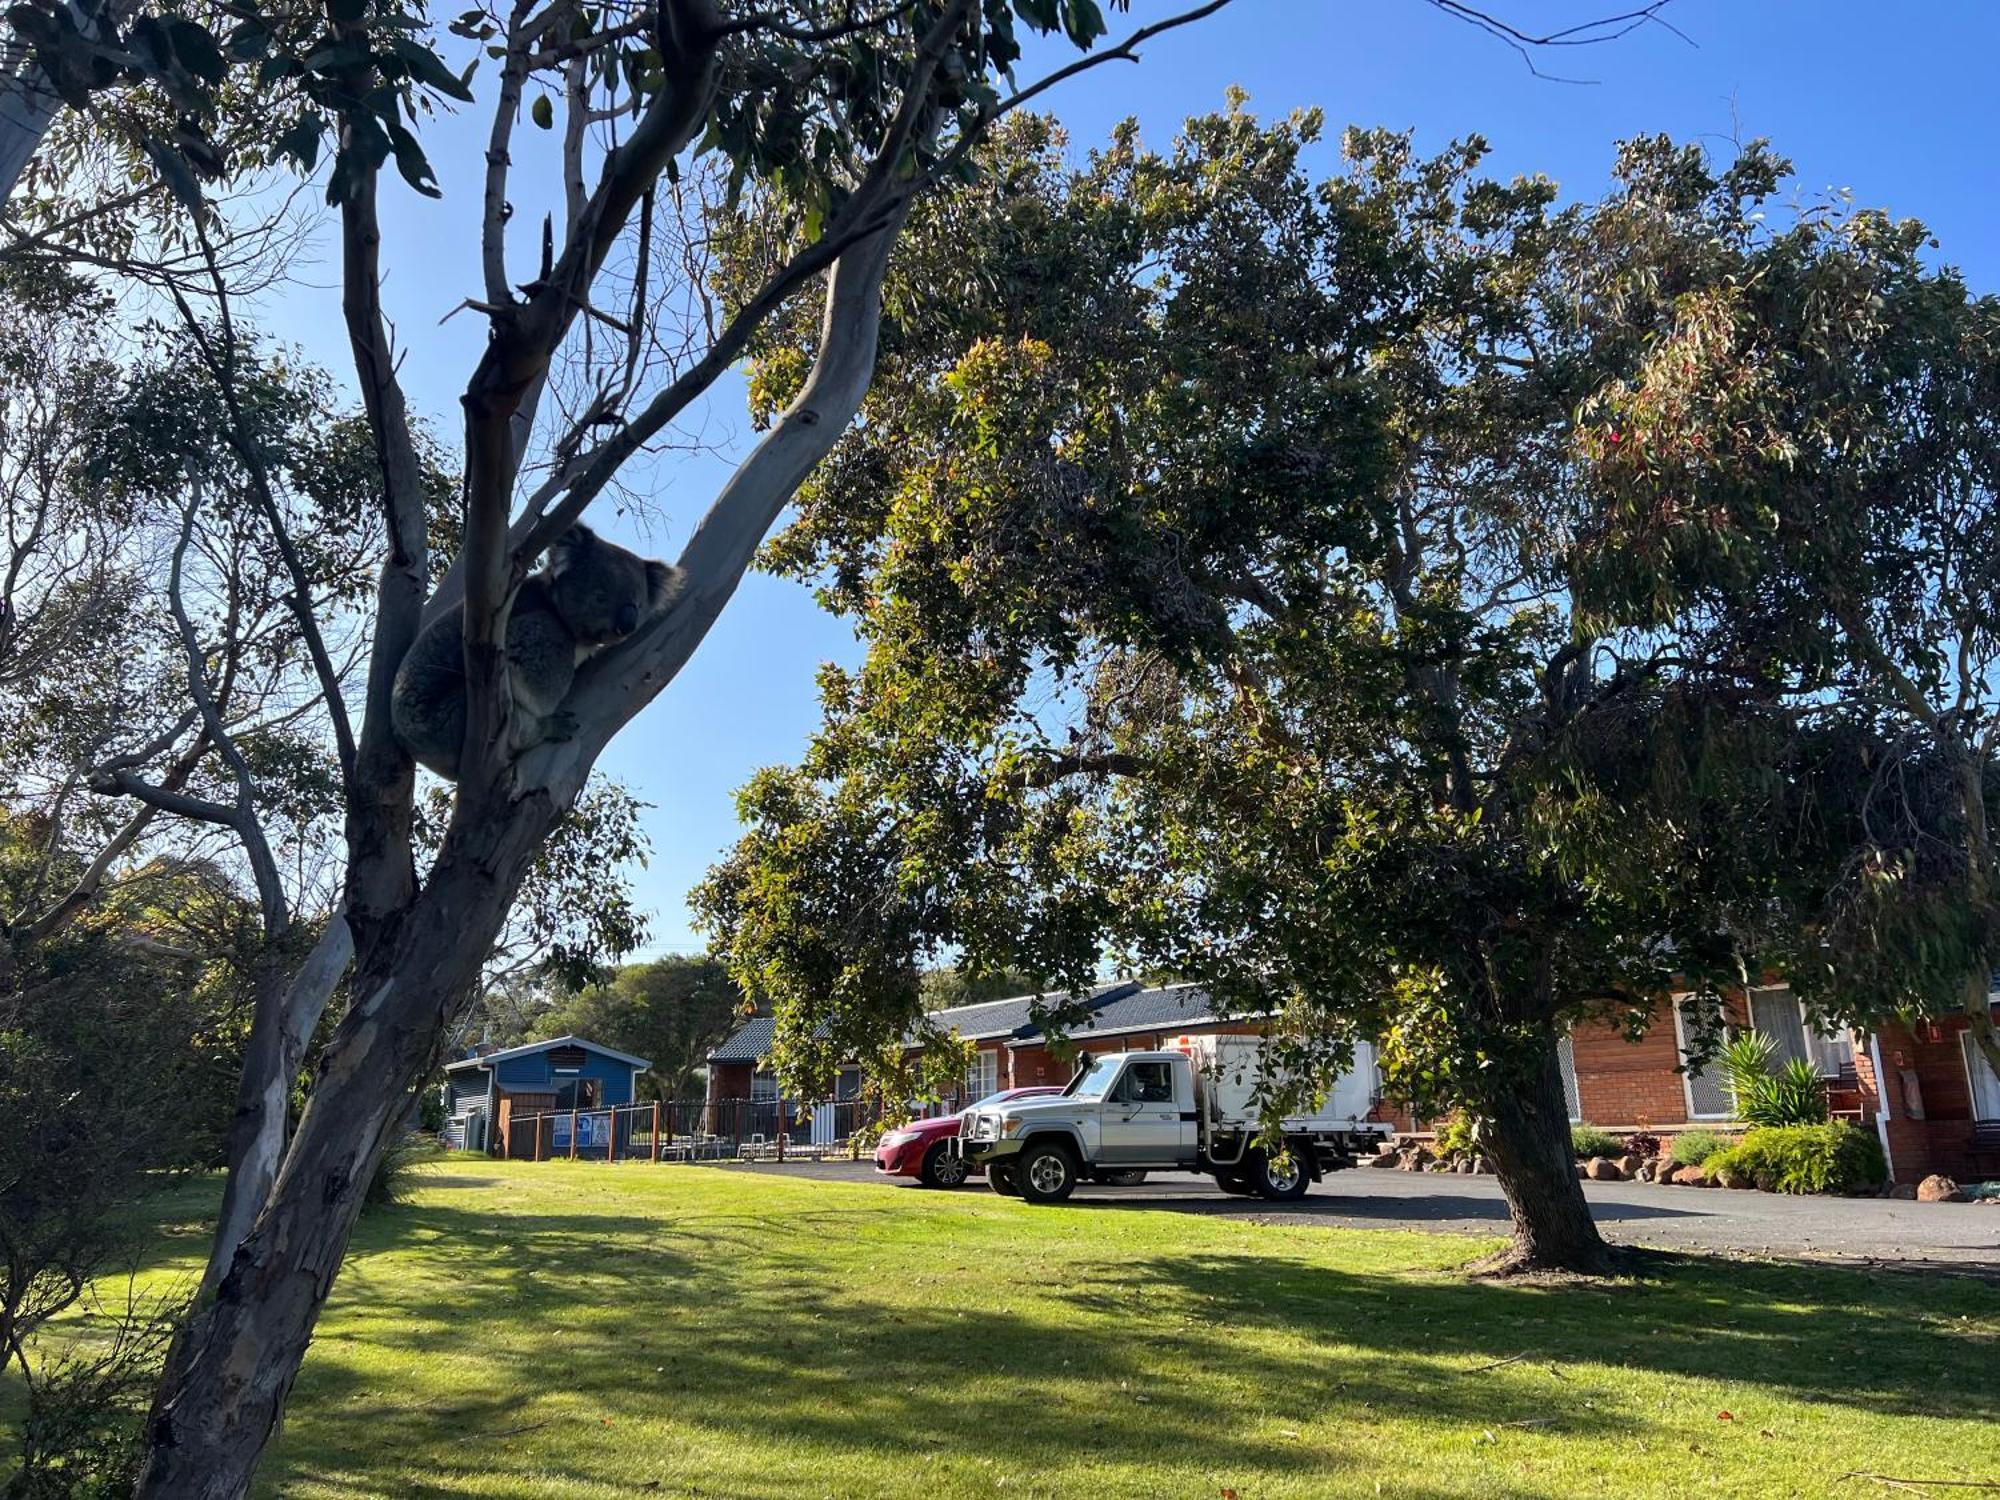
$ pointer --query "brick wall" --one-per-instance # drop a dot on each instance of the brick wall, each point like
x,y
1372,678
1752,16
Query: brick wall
x,y
1619,1082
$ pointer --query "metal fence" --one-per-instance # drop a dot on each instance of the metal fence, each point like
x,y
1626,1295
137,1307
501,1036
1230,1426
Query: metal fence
x,y
710,1130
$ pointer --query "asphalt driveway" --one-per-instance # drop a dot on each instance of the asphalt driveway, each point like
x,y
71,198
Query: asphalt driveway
x,y
1960,1237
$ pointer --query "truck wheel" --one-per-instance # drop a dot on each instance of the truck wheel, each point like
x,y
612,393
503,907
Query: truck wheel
x,y
942,1168
1047,1173
1286,1183
1130,1177
1000,1176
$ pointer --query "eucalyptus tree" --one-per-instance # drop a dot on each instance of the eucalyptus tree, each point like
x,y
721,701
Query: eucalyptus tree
x,y
1214,541
1808,458
600,335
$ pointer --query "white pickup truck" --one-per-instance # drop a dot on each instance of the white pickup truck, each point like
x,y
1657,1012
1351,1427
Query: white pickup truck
x,y
1189,1107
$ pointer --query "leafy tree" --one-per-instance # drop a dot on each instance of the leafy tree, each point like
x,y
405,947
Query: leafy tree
x,y
671,1010
1809,456
121,1034
1214,546
603,332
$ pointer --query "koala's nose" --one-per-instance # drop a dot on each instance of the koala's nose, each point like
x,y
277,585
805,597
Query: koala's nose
x,y
628,618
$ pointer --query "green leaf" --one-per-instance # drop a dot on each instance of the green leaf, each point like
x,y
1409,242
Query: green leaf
x,y
197,51
346,12
542,112
411,161
177,175
426,67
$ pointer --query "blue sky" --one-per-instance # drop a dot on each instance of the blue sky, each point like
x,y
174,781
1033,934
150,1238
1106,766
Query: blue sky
x,y
1903,113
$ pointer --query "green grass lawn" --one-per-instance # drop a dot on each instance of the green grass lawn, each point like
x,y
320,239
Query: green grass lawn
x,y
583,1331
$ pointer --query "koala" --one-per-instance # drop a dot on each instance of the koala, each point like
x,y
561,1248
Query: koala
x,y
591,594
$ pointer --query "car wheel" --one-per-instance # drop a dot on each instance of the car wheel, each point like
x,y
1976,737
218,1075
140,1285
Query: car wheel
x,y
1282,1180
1236,1183
1129,1178
1001,1177
942,1168
1047,1173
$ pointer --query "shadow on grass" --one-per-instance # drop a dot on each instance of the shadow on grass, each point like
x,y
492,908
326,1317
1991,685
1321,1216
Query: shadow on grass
x,y
796,1331
1431,1208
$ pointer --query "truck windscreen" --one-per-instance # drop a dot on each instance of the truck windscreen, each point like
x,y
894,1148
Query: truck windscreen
x,y
1094,1083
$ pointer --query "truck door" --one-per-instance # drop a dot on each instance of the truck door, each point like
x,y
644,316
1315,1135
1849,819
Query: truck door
x,y
1140,1120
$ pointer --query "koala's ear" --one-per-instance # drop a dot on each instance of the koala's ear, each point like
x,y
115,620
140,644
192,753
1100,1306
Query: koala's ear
x,y
566,549
662,581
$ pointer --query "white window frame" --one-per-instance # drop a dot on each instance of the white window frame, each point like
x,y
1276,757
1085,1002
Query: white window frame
x,y
1844,1036
1572,1085
984,1078
1981,1086
1681,1043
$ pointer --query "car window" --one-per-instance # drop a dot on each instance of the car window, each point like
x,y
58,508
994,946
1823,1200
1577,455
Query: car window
x,y
1093,1084
1147,1083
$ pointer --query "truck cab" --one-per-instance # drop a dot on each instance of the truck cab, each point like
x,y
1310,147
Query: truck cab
x,y
1186,1107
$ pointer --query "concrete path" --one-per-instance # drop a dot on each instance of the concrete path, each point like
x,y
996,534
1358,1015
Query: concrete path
x,y
1958,1237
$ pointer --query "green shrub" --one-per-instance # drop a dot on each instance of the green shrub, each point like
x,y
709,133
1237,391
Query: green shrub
x,y
1791,1095
1832,1158
396,1172
1587,1141
1454,1134
1697,1146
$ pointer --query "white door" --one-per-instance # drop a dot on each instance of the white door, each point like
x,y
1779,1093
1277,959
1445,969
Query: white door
x,y
1140,1120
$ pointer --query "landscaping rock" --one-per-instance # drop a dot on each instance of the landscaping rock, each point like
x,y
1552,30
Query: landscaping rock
x,y
1938,1188
1462,1167
1766,1181
1691,1177
1603,1169
1630,1164
1729,1177
1905,1190
1645,1172
1389,1158
1480,1169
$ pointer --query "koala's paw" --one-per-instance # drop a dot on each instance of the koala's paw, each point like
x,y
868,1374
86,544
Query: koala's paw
x,y
560,725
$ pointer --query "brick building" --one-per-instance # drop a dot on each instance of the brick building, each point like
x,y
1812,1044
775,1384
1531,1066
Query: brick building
x,y
1939,1111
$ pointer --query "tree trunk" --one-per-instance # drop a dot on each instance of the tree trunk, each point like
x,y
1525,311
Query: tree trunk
x,y
1525,1135
280,1027
224,1388
28,101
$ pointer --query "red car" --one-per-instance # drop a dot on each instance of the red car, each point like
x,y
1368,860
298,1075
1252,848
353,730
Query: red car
x,y
922,1148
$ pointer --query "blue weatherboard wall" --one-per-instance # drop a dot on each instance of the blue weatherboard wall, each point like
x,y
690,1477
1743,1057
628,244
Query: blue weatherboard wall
x,y
533,1075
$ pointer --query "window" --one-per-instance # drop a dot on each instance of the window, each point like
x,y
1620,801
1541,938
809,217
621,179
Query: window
x,y
1566,1060
1780,1017
579,1093
1985,1087
1707,1094
984,1076
1146,1083
764,1086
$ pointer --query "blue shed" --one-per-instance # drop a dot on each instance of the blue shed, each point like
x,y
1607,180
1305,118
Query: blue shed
x,y
563,1075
